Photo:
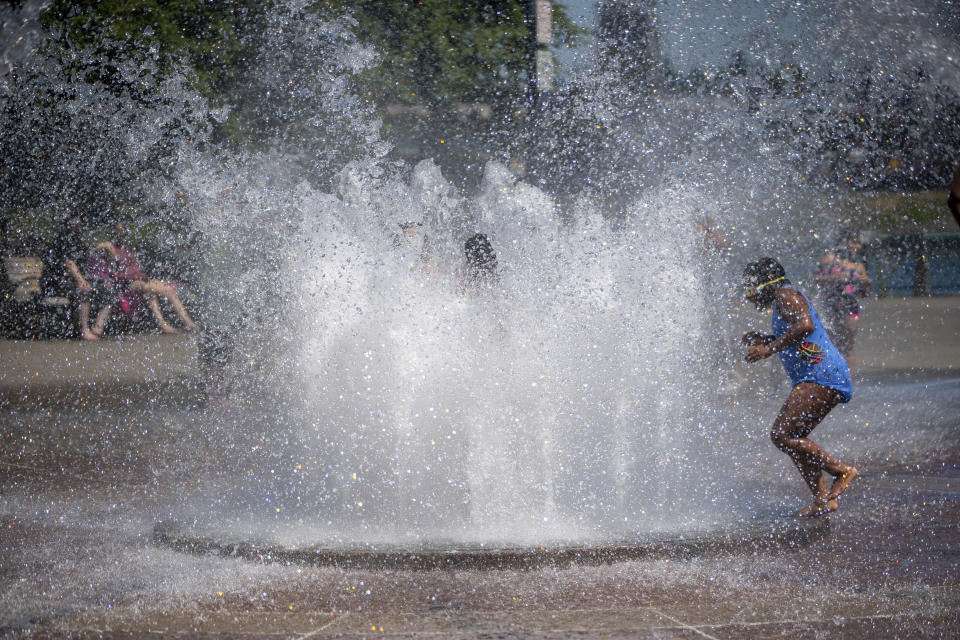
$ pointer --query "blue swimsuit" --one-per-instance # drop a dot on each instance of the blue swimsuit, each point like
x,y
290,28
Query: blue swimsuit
x,y
815,359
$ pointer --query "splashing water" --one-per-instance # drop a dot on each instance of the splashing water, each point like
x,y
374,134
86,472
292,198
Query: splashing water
x,y
545,405
574,399
383,398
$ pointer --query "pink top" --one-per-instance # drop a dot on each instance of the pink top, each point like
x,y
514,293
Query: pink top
x,y
127,267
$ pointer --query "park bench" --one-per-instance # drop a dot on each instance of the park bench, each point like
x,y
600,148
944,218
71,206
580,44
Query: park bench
x,y
24,312
24,275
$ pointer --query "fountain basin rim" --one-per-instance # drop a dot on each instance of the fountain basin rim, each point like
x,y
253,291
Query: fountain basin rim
x,y
783,535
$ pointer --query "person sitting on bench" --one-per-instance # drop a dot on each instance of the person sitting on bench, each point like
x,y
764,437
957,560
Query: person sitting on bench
x,y
64,276
131,282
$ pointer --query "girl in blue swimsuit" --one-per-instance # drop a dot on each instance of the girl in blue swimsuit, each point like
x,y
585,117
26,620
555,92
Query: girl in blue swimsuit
x,y
820,377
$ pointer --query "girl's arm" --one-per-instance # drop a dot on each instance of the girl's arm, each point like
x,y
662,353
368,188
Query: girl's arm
x,y
793,308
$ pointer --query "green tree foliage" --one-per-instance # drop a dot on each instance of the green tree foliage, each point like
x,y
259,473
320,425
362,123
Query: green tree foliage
x,y
445,70
453,76
254,74
436,52
121,93
87,134
448,51
214,36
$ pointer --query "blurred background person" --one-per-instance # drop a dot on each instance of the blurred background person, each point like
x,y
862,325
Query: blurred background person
x,y
842,279
414,245
129,279
953,198
64,276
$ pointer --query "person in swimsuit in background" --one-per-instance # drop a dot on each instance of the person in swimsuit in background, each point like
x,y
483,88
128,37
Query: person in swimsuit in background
x,y
842,278
414,246
819,374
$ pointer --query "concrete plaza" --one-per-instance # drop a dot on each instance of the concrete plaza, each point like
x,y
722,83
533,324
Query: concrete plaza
x,y
84,479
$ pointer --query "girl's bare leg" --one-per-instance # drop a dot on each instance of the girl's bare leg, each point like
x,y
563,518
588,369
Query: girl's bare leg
x,y
181,312
806,406
165,327
154,303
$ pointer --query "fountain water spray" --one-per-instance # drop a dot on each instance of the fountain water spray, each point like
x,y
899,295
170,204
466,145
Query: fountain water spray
x,y
382,400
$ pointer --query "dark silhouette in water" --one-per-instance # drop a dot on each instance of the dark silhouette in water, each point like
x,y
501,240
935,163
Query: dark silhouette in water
x,y
480,267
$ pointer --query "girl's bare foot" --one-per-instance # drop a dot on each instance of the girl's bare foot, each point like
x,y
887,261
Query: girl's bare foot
x,y
841,482
89,335
818,508
168,329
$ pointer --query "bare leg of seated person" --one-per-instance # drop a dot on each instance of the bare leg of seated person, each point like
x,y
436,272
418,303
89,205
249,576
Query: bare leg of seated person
x,y
83,314
806,406
100,323
152,290
153,301
170,294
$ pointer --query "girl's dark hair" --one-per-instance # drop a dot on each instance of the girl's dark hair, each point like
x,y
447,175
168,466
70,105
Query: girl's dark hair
x,y
764,270
761,272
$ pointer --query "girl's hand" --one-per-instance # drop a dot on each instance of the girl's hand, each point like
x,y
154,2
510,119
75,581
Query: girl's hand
x,y
758,352
754,337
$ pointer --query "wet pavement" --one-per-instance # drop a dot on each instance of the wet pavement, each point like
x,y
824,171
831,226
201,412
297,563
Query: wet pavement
x,y
146,366
82,491
886,567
